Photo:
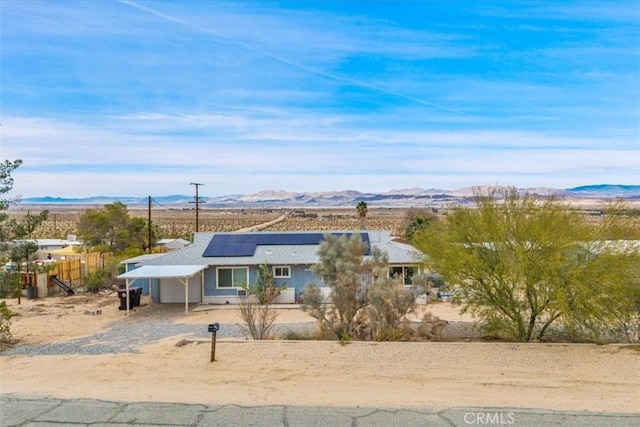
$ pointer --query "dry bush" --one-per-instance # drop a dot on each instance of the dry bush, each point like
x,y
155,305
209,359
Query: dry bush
x,y
256,307
258,318
432,328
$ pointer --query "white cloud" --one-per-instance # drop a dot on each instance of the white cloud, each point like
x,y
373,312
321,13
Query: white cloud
x,y
137,98
88,160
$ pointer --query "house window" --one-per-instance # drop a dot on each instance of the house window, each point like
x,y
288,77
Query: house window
x,y
281,272
405,272
232,277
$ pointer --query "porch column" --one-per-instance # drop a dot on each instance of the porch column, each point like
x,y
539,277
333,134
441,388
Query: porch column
x,y
127,289
185,282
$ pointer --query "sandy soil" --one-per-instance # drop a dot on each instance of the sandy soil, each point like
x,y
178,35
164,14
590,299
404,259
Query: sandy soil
x,y
431,374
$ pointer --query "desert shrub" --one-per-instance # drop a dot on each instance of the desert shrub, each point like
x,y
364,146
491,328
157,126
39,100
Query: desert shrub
x,y
432,328
103,278
364,302
9,284
256,308
5,322
389,334
340,268
293,335
389,302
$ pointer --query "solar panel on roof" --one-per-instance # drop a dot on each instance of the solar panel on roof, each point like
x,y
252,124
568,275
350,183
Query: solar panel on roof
x,y
244,245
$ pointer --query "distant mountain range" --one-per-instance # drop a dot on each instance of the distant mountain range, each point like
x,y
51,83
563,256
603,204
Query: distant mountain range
x,y
401,197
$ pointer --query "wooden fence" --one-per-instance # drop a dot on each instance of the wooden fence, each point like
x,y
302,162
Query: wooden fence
x,y
95,260
71,271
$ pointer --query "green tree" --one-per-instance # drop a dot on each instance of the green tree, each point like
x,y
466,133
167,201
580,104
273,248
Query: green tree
x,y
521,264
362,210
15,243
416,220
22,247
112,229
6,184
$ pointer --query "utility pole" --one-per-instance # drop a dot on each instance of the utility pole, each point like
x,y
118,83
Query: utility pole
x,y
197,202
28,222
149,223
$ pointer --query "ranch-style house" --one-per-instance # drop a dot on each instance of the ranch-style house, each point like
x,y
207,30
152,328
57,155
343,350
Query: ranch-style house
x,y
212,269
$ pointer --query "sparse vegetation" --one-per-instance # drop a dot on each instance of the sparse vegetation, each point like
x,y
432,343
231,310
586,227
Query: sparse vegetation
x,y
364,303
522,265
256,307
15,234
5,322
293,335
103,278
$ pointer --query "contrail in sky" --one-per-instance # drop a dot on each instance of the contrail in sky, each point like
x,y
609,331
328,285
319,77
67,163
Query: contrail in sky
x,y
350,82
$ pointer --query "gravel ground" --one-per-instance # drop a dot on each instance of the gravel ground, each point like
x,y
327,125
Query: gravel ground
x,y
126,336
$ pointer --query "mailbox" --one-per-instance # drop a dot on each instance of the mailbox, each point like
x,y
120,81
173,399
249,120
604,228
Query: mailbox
x,y
213,328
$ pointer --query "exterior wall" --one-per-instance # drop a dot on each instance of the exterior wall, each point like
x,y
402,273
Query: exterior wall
x,y
172,290
139,283
155,290
300,277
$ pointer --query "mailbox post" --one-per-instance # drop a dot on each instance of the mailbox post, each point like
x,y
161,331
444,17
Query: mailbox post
x,y
213,328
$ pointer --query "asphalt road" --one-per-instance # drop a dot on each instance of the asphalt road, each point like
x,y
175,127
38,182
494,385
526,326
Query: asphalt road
x,y
16,410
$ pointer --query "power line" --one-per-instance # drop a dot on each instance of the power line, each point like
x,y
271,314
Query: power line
x,y
170,208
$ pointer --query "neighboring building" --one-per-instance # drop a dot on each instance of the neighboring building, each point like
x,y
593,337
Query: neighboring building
x,y
212,269
48,247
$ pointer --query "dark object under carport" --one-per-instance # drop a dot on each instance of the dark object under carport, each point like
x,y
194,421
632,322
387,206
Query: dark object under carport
x,y
137,294
134,298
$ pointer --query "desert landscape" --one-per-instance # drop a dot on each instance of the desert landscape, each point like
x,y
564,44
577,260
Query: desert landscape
x,y
471,372
174,222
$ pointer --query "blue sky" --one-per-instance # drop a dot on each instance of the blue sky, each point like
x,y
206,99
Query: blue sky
x,y
138,98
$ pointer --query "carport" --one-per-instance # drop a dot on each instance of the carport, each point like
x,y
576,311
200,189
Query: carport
x,y
180,272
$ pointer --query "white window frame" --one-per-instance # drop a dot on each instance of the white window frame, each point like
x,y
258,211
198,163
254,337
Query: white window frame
x,y
404,269
281,276
233,284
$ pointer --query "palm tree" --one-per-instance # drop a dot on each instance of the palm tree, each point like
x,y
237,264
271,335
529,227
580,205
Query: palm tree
x,y
362,209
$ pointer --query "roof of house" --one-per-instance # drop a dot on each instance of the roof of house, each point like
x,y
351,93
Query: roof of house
x,y
51,242
281,251
66,251
141,258
163,271
246,244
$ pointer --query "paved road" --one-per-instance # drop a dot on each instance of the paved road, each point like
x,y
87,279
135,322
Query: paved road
x,y
18,410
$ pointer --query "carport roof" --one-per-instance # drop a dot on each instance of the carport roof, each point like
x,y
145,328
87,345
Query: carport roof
x,y
163,271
